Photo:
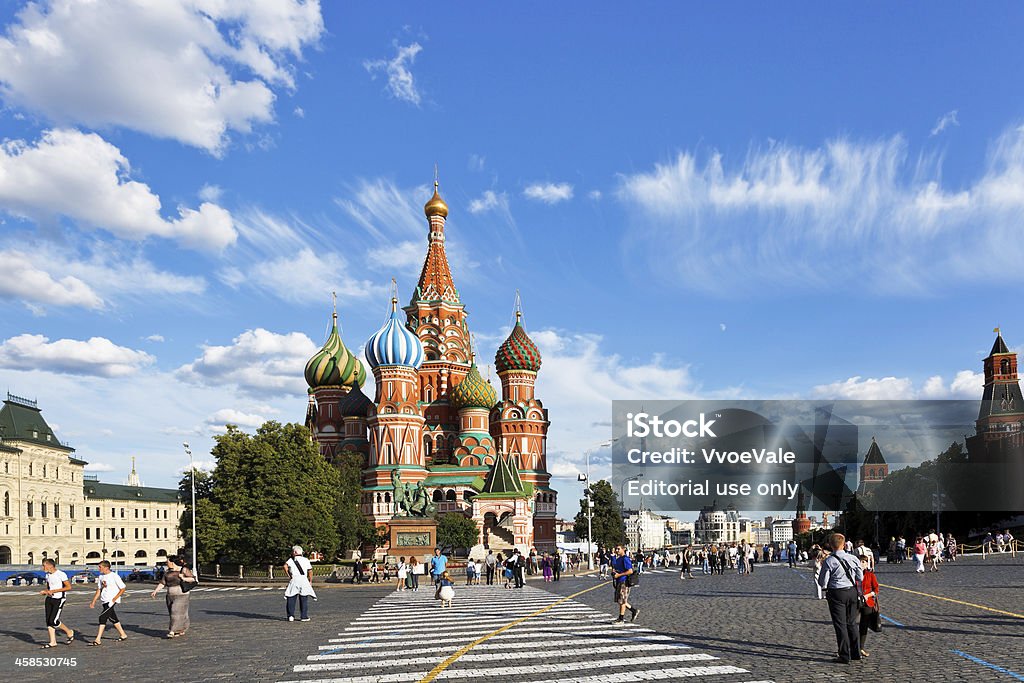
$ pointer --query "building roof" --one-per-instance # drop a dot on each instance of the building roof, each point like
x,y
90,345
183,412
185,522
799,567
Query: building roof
x,y
21,420
94,490
504,479
874,456
999,346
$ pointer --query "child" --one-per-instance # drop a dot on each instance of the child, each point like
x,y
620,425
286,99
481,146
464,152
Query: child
x,y
869,613
446,590
109,589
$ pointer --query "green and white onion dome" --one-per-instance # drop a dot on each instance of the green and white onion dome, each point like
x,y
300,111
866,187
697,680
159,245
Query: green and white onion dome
x,y
474,392
394,343
334,365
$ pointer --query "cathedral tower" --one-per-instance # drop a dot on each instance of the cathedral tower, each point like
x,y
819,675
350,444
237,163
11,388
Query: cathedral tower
x,y
1002,407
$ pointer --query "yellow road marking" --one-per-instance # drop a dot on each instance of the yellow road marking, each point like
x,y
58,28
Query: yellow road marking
x,y
959,602
466,648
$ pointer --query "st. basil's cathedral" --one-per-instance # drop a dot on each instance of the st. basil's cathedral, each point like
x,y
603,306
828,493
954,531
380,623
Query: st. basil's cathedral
x,y
434,418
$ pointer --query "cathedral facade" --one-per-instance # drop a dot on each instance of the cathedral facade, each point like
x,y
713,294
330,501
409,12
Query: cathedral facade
x,y
435,425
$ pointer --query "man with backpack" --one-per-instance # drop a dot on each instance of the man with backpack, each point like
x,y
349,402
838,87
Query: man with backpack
x,y
623,578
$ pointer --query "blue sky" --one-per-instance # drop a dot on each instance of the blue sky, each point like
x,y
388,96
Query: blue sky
x,y
727,201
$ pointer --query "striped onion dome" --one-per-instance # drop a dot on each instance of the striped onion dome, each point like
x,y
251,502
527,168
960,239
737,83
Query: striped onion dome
x,y
473,392
394,344
334,365
354,403
518,352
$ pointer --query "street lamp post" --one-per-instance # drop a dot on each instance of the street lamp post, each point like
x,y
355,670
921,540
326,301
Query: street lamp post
x,y
622,497
938,502
192,478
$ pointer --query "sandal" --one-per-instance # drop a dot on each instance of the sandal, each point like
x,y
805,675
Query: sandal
x,y
70,639
48,646
121,640
93,643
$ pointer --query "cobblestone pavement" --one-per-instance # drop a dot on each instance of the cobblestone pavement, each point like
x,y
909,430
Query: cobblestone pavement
x,y
771,623
965,622
237,633
522,635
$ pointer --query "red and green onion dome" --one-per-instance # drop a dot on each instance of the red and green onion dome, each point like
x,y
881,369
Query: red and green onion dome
x,y
474,392
334,365
354,403
518,352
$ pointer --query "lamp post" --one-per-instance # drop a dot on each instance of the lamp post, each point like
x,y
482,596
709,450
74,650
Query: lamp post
x,y
192,478
622,497
938,502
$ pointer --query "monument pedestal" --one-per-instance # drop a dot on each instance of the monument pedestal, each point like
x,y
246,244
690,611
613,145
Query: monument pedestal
x,y
412,537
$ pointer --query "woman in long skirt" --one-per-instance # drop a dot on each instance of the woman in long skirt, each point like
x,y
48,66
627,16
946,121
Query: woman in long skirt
x,y
176,575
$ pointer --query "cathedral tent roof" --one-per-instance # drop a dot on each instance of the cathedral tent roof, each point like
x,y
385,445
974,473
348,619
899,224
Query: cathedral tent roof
x,y
504,480
999,346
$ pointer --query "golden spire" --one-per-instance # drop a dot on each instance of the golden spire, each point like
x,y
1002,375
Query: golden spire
x,y
436,206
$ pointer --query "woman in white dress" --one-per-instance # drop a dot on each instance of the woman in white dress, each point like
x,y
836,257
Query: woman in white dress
x,y
300,571
403,573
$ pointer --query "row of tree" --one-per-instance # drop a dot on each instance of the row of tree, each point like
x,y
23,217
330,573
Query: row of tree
x,y
273,489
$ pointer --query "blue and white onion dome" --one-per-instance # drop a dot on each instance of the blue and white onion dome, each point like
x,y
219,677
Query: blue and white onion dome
x,y
394,344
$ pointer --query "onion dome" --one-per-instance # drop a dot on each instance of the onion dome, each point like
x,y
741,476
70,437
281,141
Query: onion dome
x,y
436,206
394,344
354,403
518,352
334,365
473,392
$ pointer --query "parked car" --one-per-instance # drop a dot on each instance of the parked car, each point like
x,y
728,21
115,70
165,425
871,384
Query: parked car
x,y
26,579
142,575
88,576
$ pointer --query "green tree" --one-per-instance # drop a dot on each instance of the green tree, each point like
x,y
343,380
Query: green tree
x,y
354,530
204,487
275,490
455,530
213,532
609,529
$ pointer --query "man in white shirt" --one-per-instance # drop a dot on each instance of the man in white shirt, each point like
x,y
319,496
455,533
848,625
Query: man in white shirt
x,y
57,586
109,589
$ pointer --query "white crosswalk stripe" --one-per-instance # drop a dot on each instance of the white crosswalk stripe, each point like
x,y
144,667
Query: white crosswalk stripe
x,y
405,636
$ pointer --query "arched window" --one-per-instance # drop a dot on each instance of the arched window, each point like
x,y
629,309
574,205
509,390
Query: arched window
x,y
450,496
1004,366
7,510
428,448
428,393
438,496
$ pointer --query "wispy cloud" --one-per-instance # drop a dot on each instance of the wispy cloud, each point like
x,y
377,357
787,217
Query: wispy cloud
x,y
847,214
401,84
549,193
487,201
964,385
945,121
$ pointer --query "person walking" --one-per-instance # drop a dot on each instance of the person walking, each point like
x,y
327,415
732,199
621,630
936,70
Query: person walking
x,y
403,574
57,587
546,568
491,561
178,580
109,589
622,569
438,565
300,588
869,611
839,576
556,566
919,554
520,570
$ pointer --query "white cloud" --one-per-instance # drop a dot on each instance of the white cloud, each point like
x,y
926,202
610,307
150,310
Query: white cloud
x,y
487,201
21,278
405,257
845,215
258,362
721,326
225,416
97,356
306,276
170,69
594,194
155,338
965,385
549,193
299,112
401,84
99,467
945,121
210,193
83,177
476,162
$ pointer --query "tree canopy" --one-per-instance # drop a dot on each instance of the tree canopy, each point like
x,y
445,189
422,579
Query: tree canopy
x,y
455,530
609,529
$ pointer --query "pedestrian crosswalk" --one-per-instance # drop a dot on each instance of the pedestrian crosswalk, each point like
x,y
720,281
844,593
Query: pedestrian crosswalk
x,y
212,589
490,633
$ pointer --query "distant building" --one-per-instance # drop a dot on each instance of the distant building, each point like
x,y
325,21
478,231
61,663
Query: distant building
x,y
645,530
782,530
52,510
874,470
717,526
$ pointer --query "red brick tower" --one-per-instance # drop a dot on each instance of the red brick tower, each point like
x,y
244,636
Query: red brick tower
x,y
438,318
1002,407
